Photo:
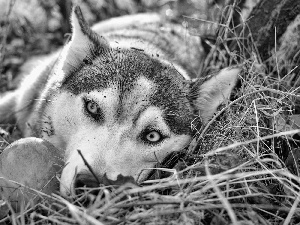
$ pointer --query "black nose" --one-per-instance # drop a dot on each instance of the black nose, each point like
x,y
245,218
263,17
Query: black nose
x,y
86,180
83,181
87,186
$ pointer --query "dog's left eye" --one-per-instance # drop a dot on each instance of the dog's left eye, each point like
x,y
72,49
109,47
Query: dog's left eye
x,y
152,137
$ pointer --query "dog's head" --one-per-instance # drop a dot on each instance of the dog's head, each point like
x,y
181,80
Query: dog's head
x,y
123,110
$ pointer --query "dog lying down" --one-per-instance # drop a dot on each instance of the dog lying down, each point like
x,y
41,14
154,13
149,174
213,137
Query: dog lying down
x,y
122,93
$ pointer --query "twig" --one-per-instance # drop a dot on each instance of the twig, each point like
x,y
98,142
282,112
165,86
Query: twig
x,y
88,166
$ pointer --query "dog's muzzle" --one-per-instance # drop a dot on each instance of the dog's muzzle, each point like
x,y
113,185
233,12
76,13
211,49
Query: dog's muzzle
x,y
90,181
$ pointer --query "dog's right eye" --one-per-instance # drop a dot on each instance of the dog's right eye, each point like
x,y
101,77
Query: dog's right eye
x,y
93,109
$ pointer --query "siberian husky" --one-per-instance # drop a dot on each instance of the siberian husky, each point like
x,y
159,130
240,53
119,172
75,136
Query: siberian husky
x,y
124,93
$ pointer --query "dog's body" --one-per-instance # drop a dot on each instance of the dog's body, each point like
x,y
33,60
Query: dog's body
x,y
124,98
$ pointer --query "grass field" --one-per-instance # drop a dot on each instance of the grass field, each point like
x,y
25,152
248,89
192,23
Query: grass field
x,y
241,168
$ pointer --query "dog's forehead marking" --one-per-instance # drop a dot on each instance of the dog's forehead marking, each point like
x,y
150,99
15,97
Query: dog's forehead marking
x,y
121,106
136,99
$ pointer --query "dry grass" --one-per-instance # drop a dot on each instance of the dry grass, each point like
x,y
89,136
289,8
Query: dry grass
x,y
234,171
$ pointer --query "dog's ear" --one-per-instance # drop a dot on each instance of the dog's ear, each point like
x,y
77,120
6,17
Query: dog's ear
x,y
208,95
84,42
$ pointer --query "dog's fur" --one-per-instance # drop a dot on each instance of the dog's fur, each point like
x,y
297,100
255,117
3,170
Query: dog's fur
x,y
121,93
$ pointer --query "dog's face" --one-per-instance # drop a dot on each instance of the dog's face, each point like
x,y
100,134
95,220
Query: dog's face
x,y
123,110
124,123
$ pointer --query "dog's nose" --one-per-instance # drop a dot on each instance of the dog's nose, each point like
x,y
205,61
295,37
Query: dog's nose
x,y
86,180
90,181
87,186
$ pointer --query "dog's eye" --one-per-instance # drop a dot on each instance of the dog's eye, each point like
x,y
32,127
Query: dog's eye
x,y
92,107
93,110
152,137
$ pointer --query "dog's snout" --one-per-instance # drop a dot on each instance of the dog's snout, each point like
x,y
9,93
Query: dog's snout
x,y
119,181
90,181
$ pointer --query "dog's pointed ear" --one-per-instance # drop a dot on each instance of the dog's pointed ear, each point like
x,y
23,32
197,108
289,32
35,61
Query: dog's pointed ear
x,y
84,42
208,95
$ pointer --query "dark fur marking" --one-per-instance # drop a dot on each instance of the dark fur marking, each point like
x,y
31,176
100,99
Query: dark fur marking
x,y
129,65
47,130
